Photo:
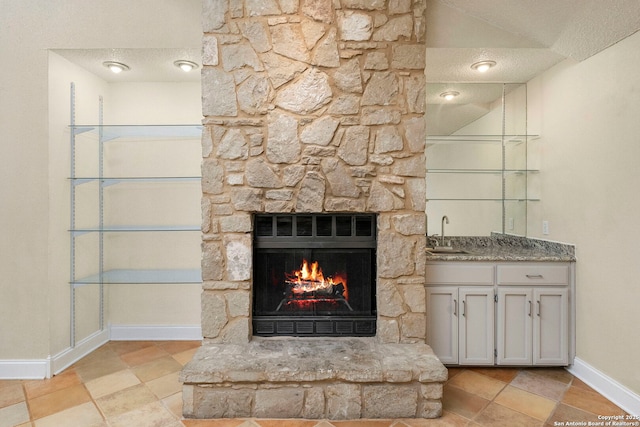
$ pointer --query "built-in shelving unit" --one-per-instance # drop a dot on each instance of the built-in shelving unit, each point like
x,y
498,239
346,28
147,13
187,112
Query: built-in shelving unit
x,y
135,198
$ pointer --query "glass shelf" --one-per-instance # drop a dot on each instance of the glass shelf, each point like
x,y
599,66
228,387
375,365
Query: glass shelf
x,y
487,171
495,139
131,228
109,181
481,200
176,276
111,132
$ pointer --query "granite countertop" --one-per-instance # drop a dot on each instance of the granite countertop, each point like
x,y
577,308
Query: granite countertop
x,y
504,247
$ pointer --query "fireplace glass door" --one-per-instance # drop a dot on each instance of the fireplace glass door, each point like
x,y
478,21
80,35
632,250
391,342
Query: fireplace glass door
x,y
314,275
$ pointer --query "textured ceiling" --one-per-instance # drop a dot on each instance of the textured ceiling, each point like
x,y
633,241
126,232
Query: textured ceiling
x,y
524,37
573,28
146,65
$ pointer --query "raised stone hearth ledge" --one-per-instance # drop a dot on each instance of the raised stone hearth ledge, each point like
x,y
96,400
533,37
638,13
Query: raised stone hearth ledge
x,y
314,378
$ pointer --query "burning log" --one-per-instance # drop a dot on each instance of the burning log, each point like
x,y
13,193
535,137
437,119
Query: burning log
x,y
309,285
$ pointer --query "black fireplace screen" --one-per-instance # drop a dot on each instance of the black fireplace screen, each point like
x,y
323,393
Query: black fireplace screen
x,y
314,275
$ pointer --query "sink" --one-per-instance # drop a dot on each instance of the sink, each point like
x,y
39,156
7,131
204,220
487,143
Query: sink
x,y
445,250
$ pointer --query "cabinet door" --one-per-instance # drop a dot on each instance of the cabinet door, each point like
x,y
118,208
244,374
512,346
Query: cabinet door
x,y
442,323
514,326
551,327
476,326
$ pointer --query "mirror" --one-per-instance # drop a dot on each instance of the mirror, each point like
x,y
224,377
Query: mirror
x,y
481,169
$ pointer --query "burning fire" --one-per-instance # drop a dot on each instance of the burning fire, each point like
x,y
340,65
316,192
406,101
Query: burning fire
x,y
311,279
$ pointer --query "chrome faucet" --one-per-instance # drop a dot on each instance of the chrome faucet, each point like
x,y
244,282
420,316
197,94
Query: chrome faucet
x,y
444,219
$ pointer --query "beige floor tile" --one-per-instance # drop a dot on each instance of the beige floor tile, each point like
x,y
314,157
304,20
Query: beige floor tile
x,y
501,374
100,368
14,414
175,347
289,423
540,384
590,401
11,392
454,371
558,374
85,415
528,403
100,354
111,383
124,347
58,401
152,414
143,355
165,385
185,357
126,400
496,415
463,403
38,388
157,368
360,423
449,419
231,422
564,413
477,384
174,404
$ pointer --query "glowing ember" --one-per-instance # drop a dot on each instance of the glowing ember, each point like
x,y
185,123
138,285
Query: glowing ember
x,y
311,279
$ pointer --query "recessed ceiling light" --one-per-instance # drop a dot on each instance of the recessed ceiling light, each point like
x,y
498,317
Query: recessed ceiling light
x,y
483,66
115,67
185,66
449,95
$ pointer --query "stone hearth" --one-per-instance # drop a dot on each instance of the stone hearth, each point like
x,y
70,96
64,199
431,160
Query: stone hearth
x,y
313,106
337,378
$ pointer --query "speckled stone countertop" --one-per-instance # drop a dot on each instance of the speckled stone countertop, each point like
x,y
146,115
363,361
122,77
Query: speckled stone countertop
x,y
504,247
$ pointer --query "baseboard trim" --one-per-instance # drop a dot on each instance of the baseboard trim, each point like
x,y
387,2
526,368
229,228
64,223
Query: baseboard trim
x,y
71,355
24,369
606,386
37,369
155,333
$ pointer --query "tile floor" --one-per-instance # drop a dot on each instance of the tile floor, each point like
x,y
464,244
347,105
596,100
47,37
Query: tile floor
x,y
135,384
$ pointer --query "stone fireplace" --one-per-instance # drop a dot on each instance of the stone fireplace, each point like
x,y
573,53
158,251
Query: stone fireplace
x,y
313,109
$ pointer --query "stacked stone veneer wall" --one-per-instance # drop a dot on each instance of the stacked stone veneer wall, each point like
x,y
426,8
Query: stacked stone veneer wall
x,y
313,106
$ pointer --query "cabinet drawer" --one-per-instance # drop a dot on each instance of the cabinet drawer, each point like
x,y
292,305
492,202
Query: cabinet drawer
x,y
533,274
455,273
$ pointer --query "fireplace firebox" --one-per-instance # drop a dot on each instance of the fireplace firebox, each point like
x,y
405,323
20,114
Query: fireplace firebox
x,y
314,275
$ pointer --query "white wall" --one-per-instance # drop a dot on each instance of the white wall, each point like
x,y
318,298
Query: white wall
x,y
29,248
588,116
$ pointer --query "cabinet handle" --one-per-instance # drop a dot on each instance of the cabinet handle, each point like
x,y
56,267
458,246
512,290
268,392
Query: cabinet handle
x,y
455,307
464,308
529,308
534,276
538,307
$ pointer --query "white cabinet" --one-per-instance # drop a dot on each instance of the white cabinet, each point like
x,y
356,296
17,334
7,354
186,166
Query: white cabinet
x,y
460,327
461,314
476,326
442,326
473,317
551,327
515,322
532,326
